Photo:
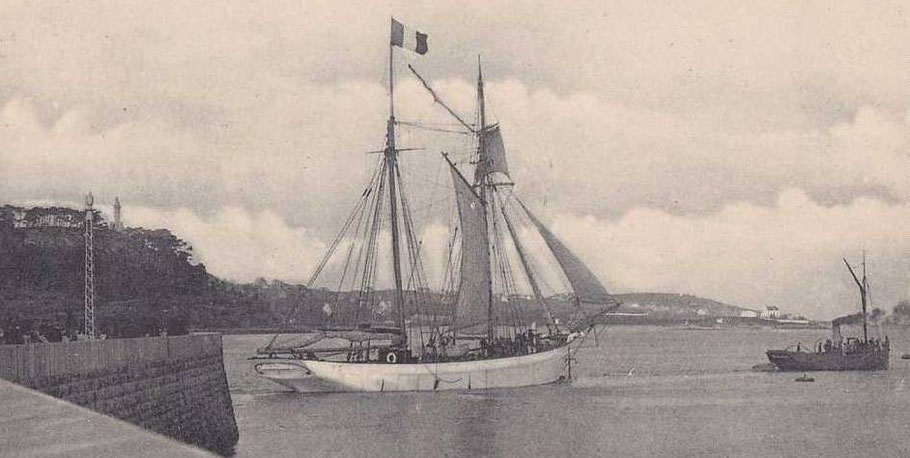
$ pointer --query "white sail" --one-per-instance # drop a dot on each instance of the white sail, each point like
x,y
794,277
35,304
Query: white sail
x,y
492,154
585,285
472,306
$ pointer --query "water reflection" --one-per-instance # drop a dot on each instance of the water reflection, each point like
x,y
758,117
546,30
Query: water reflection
x,y
645,391
476,423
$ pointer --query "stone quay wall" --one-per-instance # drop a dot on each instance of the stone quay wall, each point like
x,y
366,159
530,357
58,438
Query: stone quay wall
x,y
173,385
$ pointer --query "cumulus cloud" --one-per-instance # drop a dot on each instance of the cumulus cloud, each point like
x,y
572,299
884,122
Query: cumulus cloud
x,y
216,113
787,254
237,244
254,106
148,159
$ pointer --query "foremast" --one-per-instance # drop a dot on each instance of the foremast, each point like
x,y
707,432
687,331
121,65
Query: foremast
x,y
391,161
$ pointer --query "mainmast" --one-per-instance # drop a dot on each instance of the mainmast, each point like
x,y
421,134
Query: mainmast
x,y
482,169
481,105
480,180
391,159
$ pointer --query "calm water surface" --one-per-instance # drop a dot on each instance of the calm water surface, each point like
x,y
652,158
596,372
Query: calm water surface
x,y
644,391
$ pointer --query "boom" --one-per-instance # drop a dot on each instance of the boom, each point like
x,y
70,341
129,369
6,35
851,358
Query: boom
x,y
439,101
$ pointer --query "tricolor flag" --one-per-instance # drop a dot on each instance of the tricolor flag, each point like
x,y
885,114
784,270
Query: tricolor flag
x,y
406,38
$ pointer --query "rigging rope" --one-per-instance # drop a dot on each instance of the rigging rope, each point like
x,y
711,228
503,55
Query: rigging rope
x,y
364,197
501,259
527,268
432,129
347,262
413,245
366,291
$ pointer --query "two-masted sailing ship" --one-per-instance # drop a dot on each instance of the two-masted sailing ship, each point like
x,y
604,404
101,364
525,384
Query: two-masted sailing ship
x,y
481,339
839,353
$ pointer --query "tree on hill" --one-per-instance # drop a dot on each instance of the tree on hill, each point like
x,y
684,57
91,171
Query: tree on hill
x,y
142,277
901,313
876,314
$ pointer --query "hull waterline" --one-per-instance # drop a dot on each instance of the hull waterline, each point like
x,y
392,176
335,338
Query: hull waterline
x,y
512,372
800,361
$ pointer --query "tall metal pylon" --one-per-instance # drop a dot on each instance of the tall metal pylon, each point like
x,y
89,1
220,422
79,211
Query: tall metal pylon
x,y
89,267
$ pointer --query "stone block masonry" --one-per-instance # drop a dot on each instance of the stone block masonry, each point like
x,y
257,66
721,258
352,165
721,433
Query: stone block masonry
x,y
174,386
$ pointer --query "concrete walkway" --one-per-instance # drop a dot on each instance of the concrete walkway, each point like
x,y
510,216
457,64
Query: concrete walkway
x,y
35,424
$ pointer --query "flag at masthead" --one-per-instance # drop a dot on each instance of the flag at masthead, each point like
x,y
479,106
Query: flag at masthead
x,y
406,38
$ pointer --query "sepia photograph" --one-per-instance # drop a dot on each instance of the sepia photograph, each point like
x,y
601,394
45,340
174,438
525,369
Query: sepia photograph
x,y
505,228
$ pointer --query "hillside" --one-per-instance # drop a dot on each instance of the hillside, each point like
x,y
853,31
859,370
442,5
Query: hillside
x,y
142,277
669,303
148,282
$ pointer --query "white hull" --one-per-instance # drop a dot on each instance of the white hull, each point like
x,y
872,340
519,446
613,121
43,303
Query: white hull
x,y
517,371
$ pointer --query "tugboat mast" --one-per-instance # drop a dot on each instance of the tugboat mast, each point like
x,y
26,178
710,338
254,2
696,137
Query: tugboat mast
x,y
863,286
865,293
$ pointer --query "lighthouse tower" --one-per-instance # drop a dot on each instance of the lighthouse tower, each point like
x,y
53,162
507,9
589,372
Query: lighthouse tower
x,y
118,225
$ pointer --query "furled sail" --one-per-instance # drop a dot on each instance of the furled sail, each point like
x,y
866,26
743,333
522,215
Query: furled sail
x,y
473,302
492,154
585,285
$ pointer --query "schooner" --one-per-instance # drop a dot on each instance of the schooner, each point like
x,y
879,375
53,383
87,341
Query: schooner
x,y
483,341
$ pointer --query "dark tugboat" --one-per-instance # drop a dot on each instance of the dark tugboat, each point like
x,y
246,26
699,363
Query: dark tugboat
x,y
836,354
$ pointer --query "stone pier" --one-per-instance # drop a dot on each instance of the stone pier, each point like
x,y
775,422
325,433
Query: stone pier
x,y
175,386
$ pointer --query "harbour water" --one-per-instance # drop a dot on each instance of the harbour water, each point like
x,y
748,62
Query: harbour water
x,y
644,391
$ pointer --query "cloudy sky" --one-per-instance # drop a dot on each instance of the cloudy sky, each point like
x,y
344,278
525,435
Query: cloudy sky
x,y
734,150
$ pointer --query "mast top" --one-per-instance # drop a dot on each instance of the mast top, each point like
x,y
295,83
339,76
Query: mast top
x,y
481,105
395,25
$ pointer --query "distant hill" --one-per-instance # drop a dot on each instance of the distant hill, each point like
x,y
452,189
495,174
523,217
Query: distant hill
x,y
677,304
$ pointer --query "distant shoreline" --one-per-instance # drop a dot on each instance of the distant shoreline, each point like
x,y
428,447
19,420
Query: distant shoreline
x,y
670,326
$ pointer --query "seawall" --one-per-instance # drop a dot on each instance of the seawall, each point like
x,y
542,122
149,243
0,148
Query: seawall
x,y
174,386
